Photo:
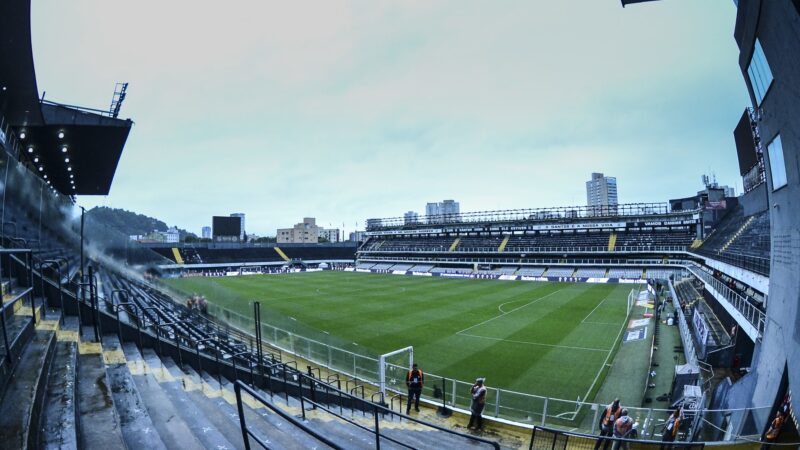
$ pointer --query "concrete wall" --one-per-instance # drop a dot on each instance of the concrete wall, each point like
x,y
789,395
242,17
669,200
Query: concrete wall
x,y
777,26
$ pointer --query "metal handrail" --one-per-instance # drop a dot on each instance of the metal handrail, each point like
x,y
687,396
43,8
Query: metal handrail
x,y
238,386
385,410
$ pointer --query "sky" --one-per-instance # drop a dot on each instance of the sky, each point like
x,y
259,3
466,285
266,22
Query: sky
x,y
353,109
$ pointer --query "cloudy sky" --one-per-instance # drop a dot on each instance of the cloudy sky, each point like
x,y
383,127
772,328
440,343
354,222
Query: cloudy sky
x,y
345,110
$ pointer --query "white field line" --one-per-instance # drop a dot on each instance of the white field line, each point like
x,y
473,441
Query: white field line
x,y
588,349
595,309
509,312
597,377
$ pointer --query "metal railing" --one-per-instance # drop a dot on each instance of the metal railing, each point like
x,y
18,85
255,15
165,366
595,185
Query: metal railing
x,y
426,249
17,297
238,387
550,439
757,264
721,292
519,407
312,388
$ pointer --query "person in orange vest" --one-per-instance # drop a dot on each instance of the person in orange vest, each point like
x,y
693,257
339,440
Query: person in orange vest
x,y
670,431
414,380
607,420
774,430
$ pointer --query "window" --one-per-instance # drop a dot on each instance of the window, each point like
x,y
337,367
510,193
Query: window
x,y
759,73
777,165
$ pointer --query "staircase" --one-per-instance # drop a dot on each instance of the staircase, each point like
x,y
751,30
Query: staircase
x,y
177,254
454,245
738,233
503,244
281,254
612,241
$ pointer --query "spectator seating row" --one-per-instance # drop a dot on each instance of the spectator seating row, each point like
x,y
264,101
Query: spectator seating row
x,y
579,241
740,240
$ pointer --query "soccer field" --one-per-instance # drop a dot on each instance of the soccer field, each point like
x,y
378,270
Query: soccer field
x,y
545,338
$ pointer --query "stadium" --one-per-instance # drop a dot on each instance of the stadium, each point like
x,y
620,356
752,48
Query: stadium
x,y
682,309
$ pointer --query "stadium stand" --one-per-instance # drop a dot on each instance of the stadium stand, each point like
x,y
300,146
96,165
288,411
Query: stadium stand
x,y
560,272
207,254
740,241
590,272
531,271
624,272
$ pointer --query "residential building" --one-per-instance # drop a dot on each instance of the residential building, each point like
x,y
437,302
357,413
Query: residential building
x,y
331,234
601,195
444,211
410,218
358,236
305,232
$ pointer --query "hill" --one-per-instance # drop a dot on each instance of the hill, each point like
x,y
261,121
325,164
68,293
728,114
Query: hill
x,y
129,222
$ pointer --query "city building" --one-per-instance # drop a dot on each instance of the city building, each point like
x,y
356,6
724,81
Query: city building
x,y
358,236
410,218
305,232
331,234
601,195
171,236
206,233
442,212
242,229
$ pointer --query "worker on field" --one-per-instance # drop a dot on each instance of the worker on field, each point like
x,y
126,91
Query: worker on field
x,y
610,415
414,380
670,431
622,430
478,392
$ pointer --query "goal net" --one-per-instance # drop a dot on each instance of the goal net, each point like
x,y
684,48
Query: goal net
x,y
393,368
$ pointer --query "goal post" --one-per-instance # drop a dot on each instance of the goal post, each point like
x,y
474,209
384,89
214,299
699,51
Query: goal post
x,y
393,368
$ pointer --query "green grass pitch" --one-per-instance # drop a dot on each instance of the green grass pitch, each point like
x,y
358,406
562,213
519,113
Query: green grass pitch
x,y
545,338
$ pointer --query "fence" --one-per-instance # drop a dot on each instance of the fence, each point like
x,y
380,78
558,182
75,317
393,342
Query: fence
x,y
549,439
521,408
749,311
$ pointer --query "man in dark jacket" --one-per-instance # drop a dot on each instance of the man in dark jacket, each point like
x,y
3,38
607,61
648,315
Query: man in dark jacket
x,y
414,380
478,392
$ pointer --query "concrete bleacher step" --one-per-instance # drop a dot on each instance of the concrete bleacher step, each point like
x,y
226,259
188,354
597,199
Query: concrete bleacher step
x,y
60,419
22,403
346,435
137,428
166,418
173,387
19,330
218,404
98,422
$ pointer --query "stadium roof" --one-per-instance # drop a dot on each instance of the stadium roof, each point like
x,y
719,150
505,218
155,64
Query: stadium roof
x,y
78,149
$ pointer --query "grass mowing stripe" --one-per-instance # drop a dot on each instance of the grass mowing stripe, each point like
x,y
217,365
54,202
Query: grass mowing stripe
x,y
509,312
385,312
